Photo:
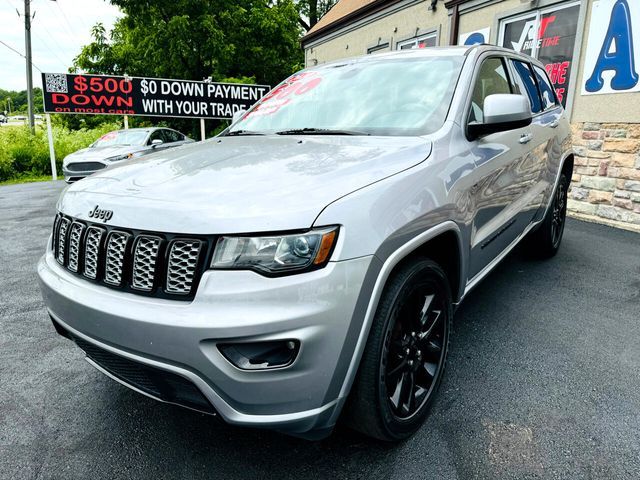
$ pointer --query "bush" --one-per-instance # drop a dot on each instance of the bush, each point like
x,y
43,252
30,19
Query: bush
x,y
24,154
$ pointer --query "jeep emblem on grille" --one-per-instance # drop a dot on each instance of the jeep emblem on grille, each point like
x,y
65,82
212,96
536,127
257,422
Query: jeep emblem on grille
x,y
100,214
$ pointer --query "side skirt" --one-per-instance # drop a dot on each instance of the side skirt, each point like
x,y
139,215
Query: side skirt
x,y
471,284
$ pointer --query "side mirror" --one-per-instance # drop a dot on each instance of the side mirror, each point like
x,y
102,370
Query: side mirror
x,y
502,112
156,142
238,115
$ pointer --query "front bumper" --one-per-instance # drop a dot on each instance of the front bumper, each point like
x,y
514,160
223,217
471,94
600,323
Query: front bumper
x,y
71,176
317,308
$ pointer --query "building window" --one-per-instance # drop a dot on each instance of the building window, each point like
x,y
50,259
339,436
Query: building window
x,y
378,48
548,34
423,41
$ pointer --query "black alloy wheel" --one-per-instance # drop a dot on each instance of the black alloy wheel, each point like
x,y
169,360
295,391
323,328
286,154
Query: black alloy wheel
x,y
414,355
558,213
404,359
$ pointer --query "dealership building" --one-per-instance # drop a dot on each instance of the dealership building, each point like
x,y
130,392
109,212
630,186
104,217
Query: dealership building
x,y
591,50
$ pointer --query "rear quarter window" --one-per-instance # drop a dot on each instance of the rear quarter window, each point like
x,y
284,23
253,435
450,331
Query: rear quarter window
x,y
170,136
526,83
549,99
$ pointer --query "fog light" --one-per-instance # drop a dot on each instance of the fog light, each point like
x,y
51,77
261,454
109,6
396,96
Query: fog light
x,y
261,355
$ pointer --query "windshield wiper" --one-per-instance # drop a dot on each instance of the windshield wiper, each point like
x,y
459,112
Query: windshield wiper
x,y
243,132
319,131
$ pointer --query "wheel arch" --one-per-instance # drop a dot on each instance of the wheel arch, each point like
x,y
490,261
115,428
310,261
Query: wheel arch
x,y
447,233
567,166
446,250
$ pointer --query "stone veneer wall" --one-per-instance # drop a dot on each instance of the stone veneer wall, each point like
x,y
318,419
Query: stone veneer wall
x,y
605,187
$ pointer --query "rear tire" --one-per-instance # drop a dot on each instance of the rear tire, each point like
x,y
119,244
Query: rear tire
x,y
405,356
545,241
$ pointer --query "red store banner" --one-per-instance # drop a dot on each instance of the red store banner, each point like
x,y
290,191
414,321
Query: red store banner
x,y
116,95
548,35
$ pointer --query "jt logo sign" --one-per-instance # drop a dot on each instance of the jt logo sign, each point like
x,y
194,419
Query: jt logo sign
x,y
612,51
527,37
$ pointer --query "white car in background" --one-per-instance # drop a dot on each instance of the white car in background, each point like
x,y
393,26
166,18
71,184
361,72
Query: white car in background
x,y
119,145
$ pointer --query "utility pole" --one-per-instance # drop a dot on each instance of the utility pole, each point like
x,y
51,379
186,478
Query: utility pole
x,y
27,44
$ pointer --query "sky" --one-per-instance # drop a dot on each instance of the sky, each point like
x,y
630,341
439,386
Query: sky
x,y
58,32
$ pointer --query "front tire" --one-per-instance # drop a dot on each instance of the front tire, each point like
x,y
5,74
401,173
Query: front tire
x,y
405,356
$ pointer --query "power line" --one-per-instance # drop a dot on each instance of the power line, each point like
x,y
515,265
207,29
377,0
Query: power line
x,y
11,48
46,44
19,53
64,16
66,25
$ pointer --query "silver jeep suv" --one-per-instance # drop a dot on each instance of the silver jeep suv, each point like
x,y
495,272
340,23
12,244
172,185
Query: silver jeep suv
x,y
305,264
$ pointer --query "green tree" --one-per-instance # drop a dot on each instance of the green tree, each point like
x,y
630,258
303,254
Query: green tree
x,y
194,39
313,10
17,101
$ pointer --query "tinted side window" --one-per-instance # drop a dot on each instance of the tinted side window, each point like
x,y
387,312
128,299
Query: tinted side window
x,y
170,136
157,135
549,99
492,78
526,82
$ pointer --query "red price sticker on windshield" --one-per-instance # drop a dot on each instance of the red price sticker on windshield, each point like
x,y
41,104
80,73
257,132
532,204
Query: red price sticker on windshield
x,y
298,84
108,136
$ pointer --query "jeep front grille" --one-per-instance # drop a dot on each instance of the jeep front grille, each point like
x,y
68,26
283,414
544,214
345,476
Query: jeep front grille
x,y
75,237
116,245
62,239
92,251
183,258
145,263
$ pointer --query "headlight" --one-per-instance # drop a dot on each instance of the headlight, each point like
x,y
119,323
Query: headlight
x,y
277,254
118,157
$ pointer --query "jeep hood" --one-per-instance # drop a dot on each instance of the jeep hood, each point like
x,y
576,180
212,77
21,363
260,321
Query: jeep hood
x,y
241,184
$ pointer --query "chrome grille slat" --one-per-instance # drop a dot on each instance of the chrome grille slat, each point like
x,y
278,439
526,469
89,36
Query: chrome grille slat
x,y
54,237
115,252
62,240
75,235
165,265
183,262
144,262
92,252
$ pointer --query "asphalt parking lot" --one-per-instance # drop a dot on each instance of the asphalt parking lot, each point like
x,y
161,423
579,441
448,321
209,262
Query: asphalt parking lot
x,y
543,381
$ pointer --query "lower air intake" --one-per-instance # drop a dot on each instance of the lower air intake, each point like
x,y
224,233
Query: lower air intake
x,y
156,382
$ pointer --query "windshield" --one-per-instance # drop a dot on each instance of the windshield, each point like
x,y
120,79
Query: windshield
x,y
389,96
121,137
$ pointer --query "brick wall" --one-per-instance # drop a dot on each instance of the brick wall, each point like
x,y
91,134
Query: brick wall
x,y
605,186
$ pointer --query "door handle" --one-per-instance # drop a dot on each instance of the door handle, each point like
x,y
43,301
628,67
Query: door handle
x,y
554,124
526,137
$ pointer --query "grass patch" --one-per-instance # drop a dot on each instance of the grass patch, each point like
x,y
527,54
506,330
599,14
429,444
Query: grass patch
x,y
24,156
27,179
